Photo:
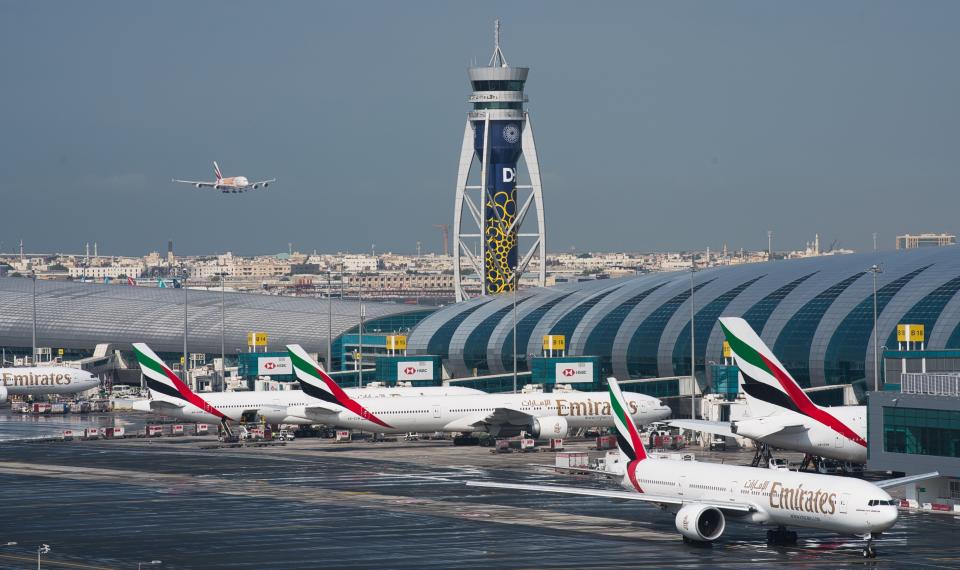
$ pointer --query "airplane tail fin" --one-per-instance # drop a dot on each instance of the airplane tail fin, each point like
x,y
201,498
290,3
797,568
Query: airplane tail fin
x,y
317,384
216,171
628,437
766,384
164,384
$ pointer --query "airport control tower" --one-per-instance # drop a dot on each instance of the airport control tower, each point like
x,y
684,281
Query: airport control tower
x,y
492,238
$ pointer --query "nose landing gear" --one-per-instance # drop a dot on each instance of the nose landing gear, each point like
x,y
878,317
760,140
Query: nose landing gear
x,y
868,550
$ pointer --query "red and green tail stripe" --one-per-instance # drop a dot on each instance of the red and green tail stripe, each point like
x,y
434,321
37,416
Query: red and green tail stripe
x,y
804,405
333,393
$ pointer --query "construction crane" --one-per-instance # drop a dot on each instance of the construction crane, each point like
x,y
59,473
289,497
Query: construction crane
x,y
445,230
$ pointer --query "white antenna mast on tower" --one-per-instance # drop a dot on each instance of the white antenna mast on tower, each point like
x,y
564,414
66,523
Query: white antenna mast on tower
x,y
497,59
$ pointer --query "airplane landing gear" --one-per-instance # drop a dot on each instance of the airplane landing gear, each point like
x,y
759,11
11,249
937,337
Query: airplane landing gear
x,y
762,456
868,550
781,537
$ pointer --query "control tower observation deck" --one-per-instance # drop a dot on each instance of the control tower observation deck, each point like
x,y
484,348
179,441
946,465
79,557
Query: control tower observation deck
x,y
498,133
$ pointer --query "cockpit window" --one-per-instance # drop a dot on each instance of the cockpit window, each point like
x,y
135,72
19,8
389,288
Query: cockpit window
x,y
878,502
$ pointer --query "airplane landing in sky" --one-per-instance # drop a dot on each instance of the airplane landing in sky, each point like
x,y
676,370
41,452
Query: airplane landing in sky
x,y
232,185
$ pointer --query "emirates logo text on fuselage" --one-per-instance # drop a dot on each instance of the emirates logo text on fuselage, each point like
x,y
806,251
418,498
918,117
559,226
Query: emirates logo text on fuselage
x,y
11,380
795,498
568,408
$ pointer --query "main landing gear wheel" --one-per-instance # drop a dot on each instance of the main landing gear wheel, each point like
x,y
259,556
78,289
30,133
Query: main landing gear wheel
x,y
781,537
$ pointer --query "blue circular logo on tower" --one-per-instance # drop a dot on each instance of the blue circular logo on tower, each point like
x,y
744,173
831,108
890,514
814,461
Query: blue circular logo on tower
x,y
511,133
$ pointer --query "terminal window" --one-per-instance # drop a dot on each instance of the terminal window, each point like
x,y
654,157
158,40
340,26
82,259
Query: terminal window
x,y
921,432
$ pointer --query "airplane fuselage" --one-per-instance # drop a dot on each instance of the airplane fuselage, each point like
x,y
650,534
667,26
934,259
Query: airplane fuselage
x,y
430,412
556,413
42,380
780,497
817,439
275,405
234,182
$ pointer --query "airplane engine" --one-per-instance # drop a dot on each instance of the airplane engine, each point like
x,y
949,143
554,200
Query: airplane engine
x,y
3,394
255,186
198,185
553,427
265,184
700,523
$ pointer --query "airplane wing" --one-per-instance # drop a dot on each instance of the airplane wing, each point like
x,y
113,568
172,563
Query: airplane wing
x,y
163,406
316,412
483,420
900,481
630,496
788,430
198,183
717,428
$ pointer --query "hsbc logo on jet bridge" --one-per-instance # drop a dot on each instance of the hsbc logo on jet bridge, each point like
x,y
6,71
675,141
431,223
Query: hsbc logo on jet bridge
x,y
274,365
415,370
570,372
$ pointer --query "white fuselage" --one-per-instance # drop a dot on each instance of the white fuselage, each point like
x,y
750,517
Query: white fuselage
x,y
817,439
238,182
274,405
781,498
42,380
558,411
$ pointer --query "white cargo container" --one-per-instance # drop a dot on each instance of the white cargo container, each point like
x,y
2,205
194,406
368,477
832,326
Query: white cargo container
x,y
569,459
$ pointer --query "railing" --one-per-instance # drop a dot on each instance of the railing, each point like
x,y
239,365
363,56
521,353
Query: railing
x,y
946,384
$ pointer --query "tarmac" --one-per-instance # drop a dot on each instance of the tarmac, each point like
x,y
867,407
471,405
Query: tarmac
x,y
318,504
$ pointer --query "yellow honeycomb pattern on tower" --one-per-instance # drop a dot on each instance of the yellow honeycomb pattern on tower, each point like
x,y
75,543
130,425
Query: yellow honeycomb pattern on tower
x,y
501,209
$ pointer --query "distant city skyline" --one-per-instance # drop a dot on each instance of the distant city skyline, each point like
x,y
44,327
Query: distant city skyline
x,y
689,125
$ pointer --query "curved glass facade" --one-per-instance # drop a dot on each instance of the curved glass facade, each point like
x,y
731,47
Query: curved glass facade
x,y
849,343
705,320
642,354
816,313
600,340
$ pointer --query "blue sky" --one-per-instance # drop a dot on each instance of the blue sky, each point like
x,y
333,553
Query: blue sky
x,y
668,125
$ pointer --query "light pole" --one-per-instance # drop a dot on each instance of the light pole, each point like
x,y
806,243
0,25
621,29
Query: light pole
x,y
150,563
33,354
42,549
516,283
360,344
693,353
874,269
223,345
184,371
329,323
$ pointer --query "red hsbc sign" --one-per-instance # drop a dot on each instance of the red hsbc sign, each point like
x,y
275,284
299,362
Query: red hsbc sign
x,y
569,372
409,370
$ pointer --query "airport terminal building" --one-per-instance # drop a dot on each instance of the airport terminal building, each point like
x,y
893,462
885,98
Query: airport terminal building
x,y
77,317
816,314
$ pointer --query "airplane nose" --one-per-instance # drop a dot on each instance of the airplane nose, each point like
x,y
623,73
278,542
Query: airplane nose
x,y
886,519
